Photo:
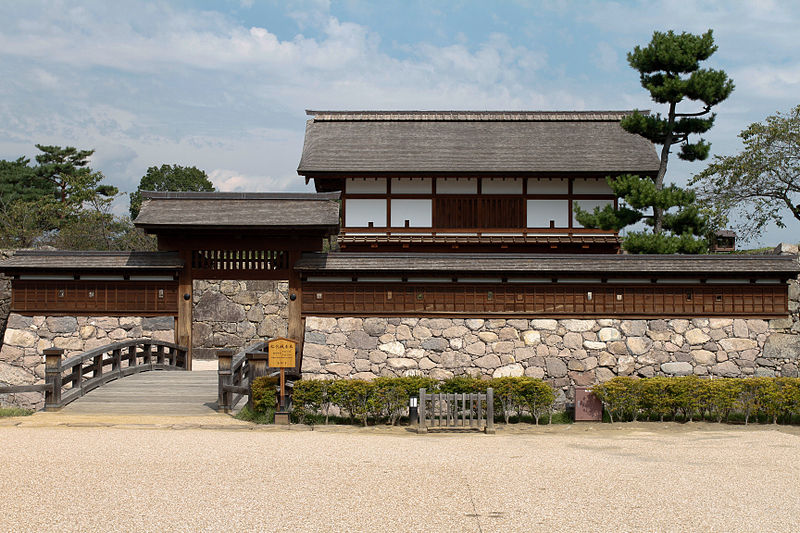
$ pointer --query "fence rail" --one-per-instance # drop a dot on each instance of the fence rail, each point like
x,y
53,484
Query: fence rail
x,y
68,379
456,411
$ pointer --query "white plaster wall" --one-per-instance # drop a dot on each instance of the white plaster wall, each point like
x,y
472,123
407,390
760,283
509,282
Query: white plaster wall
x,y
457,186
412,185
589,205
366,185
501,186
541,212
417,212
591,186
359,213
547,186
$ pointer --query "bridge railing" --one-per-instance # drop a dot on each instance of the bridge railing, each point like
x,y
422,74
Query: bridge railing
x,y
238,370
68,379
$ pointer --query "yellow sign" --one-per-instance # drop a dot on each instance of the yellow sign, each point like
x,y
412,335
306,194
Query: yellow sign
x,y
281,353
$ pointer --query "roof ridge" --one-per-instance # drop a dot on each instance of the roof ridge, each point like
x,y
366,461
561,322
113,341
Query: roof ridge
x,y
469,116
173,195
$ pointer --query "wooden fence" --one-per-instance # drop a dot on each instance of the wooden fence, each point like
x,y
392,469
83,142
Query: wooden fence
x,y
456,411
68,379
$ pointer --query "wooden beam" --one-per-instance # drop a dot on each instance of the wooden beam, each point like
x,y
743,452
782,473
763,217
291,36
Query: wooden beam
x,y
183,324
296,327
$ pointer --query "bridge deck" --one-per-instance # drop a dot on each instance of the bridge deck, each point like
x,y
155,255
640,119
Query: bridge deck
x,y
160,393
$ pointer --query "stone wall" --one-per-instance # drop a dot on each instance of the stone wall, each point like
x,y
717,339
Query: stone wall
x,y
234,314
21,361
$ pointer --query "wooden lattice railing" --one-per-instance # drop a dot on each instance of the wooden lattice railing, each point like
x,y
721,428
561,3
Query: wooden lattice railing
x,y
68,379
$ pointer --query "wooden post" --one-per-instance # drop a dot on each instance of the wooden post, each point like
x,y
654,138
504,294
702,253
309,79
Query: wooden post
x,y
224,360
296,329
52,377
489,411
183,324
256,367
422,423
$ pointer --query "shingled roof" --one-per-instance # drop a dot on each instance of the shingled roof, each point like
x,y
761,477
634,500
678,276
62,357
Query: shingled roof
x,y
734,265
473,141
90,260
243,211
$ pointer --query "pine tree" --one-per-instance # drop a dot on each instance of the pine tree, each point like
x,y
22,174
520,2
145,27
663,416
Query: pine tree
x,y
669,68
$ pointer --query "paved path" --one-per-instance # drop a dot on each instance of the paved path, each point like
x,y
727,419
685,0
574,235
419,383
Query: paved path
x,y
633,477
154,393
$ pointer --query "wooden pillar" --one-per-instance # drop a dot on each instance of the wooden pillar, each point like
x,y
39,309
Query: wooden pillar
x,y
297,325
225,359
183,324
52,377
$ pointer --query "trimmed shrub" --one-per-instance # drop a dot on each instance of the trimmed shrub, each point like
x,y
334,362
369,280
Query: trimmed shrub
x,y
619,396
265,394
463,385
536,395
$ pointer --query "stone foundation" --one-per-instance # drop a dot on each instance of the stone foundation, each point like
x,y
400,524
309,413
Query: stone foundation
x,y
21,361
5,294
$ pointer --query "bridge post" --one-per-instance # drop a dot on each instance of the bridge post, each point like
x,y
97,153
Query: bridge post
x,y
489,428
224,359
256,367
52,377
183,322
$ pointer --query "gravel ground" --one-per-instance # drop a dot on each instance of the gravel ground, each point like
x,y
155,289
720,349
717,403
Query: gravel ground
x,y
633,477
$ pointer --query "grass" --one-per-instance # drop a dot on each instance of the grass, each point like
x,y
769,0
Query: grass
x,y
257,417
14,411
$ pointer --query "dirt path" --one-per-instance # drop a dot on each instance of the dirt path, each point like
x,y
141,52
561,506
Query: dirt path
x,y
654,477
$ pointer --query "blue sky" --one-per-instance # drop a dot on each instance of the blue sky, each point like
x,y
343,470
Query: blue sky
x,y
223,85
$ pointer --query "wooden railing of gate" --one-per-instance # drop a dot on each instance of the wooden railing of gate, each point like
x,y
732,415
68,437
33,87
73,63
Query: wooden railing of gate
x,y
68,379
238,370
456,411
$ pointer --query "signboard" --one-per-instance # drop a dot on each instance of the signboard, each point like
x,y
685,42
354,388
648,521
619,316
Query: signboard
x,y
281,353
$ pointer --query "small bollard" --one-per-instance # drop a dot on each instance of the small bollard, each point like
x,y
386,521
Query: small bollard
x,y
413,410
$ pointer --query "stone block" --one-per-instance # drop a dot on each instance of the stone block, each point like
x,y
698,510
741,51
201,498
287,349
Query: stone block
x,y
604,374
679,325
437,344
19,337
546,324
215,307
576,365
573,340
617,348
488,336
556,368
393,348
377,356
317,351
421,332
401,363
778,346
765,373
704,357
625,364
503,347
740,328
349,324
531,337
757,326
340,369
582,379
578,326
62,324
594,345
426,364
403,333
16,321
376,326
677,368
608,334
513,370
455,360
440,374
476,348
696,336
362,341
633,328
453,332
159,322
737,345
366,376
536,372
728,369
343,355
474,323
639,345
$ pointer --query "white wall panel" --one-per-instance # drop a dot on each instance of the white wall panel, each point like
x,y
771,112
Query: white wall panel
x,y
456,186
366,185
547,186
359,213
412,185
589,205
501,186
591,186
541,212
417,212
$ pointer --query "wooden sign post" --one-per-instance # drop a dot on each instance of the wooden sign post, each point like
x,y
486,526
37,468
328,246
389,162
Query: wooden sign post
x,y
282,354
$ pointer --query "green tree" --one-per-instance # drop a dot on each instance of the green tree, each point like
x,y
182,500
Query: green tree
x,y
69,171
18,181
669,69
760,183
170,178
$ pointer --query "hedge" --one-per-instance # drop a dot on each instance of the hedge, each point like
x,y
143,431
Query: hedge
x,y
386,399
626,398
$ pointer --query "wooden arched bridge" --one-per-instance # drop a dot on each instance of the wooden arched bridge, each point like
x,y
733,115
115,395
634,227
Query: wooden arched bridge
x,y
176,392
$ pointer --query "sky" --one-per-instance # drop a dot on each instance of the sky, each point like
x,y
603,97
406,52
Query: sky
x,y
224,85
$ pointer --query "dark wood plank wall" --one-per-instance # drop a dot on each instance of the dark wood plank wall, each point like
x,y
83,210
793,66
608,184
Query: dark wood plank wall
x,y
431,299
84,297
240,264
